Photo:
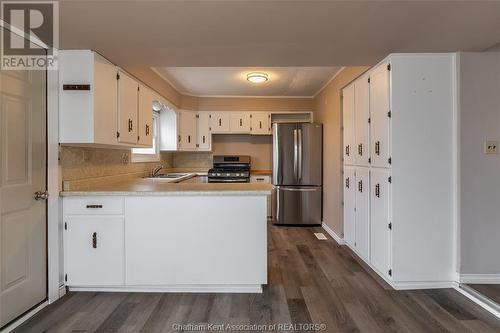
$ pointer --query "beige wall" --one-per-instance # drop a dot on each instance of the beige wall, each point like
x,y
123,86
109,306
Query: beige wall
x,y
259,147
328,111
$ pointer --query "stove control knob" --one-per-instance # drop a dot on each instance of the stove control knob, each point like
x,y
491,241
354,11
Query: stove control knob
x,y
218,175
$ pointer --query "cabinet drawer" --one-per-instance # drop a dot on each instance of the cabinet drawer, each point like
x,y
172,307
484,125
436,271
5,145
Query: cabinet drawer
x,y
260,179
93,206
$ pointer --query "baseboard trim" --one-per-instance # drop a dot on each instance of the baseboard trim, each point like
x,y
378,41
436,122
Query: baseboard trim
x,y
62,291
252,289
24,318
477,298
422,285
480,278
332,233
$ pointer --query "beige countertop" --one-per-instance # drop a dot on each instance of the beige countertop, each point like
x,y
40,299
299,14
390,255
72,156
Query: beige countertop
x,y
158,187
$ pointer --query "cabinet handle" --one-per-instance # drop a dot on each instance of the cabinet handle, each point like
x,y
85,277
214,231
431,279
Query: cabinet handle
x,y
189,138
377,148
179,138
94,206
259,179
147,129
220,122
203,139
347,182
360,186
377,190
130,125
360,149
347,150
94,240
241,122
260,124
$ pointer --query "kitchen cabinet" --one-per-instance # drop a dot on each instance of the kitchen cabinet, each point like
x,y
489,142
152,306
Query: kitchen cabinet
x,y
219,122
239,122
204,135
145,119
380,220
260,123
361,119
380,114
88,99
128,94
188,129
411,105
264,179
348,124
362,215
349,205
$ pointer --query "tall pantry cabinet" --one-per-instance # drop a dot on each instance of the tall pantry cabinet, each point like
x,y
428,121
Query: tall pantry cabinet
x,y
399,215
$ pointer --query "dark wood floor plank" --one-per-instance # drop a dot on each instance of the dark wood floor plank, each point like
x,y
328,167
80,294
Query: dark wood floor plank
x,y
491,291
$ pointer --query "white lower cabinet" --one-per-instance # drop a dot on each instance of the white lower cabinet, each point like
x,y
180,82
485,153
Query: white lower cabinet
x,y
267,180
380,220
362,228
349,205
94,250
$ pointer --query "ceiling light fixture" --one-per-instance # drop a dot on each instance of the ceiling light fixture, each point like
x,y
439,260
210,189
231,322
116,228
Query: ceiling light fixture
x,y
257,77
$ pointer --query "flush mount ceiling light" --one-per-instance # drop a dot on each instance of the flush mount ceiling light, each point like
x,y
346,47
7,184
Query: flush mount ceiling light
x,y
257,77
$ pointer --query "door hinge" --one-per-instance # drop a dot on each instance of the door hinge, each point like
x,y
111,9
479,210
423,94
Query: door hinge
x,y
117,76
210,128
390,179
65,225
138,89
388,67
210,116
390,272
138,138
250,116
389,160
369,120
66,277
198,116
389,114
117,134
197,145
390,226
368,80
369,160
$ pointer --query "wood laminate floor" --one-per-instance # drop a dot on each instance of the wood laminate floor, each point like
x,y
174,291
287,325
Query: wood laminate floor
x,y
310,281
492,291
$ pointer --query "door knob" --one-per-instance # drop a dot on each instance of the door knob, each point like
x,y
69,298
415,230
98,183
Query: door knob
x,y
41,195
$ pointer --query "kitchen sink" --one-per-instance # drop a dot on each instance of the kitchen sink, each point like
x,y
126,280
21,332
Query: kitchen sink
x,y
173,177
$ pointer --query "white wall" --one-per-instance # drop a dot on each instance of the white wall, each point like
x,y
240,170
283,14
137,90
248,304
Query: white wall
x,y
479,228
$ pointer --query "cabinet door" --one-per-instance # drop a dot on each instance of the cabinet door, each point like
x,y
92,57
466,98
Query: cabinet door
x,y
219,122
239,122
362,228
260,123
94,250
348,115
127,108
349,205
361,118
188,130
265,179
380,116
145,130
380,219
204,136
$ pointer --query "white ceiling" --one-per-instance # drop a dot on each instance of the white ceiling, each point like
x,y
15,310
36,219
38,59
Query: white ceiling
x,y
231,81
206,33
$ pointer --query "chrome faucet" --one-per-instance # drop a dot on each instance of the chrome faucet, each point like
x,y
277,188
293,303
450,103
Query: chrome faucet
x,y
155,170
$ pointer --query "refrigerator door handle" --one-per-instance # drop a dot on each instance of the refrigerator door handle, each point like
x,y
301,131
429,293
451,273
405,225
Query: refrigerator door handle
x,y
291,189
299,156
295,152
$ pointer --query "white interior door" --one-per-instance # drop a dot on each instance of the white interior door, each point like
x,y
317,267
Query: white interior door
x,y
23,261
362,212
380,232
380,117
348,119
361,116
349,205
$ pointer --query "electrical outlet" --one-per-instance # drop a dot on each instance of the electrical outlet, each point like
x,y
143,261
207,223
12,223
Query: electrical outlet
x,y
491,147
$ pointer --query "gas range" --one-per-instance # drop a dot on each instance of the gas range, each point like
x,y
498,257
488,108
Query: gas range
x,y
230,169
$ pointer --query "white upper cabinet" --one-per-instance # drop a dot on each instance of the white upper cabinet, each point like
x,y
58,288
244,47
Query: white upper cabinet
x,y
380,114
348,124
128,95
361,119
239,122
88,102
204,134
219,122
188,130
260,123
145,122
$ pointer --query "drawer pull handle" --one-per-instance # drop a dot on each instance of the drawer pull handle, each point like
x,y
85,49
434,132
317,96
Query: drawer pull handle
x,y
94,206
360,186
94,240
347,182
241,122
147,129
360,149
347,150
260,124
377,148
220,122
130,125
377,190
259,179
203,139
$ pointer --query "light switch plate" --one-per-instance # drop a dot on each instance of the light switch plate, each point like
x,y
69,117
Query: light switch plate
x,y
491,147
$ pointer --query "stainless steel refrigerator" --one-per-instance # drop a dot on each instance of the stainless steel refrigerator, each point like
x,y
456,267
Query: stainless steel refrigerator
x,y
297,173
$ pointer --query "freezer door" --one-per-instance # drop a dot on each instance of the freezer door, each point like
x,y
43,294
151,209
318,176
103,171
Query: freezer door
x,y
285,154
297,205
310,154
